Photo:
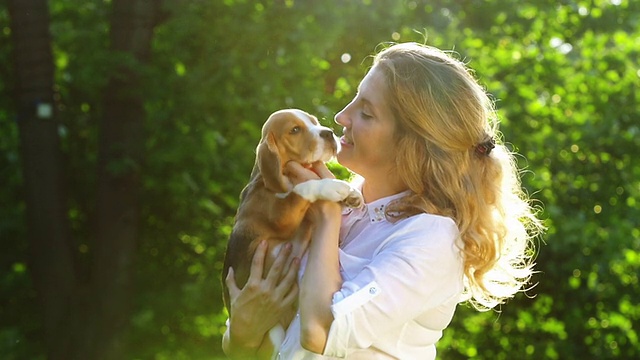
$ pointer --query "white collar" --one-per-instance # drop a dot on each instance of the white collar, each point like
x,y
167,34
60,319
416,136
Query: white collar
x,y
375,209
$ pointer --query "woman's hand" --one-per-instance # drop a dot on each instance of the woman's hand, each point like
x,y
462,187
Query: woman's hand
x,y
319,210
298,173
261,303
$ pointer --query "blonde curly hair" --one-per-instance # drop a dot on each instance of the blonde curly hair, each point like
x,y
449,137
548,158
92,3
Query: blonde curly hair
x,y
446,130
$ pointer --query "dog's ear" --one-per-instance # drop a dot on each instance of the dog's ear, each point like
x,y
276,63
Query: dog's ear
x,y
270,165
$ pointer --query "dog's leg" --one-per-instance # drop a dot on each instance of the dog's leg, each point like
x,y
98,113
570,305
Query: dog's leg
x,y
330,189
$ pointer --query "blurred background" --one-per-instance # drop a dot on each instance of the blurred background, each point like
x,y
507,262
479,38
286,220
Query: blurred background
x,y
128,129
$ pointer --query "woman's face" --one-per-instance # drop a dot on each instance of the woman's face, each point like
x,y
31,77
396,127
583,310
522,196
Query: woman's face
x,y
367,146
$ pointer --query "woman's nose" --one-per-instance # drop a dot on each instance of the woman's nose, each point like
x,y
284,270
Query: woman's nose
x,y
341,117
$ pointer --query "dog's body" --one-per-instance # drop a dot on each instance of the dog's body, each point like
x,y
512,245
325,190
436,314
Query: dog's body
x,y
270,207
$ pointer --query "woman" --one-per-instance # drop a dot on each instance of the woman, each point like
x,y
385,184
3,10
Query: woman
x,y
445,221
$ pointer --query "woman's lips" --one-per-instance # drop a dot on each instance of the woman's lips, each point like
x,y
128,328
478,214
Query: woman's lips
x,y
344,141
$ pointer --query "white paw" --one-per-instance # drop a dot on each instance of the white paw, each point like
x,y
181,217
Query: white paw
x,y
329,189
354,199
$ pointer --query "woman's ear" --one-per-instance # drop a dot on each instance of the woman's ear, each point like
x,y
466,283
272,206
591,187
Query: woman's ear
x,y
270,165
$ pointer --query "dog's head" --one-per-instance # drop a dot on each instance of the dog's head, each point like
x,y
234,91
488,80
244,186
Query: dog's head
x,y
292,135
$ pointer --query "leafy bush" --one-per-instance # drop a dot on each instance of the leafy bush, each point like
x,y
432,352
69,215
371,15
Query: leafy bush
x,y
565,78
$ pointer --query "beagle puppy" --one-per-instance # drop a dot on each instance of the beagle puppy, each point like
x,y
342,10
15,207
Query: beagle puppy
x,y
271,208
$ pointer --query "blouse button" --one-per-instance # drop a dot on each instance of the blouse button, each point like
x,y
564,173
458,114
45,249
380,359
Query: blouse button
x,y
373,290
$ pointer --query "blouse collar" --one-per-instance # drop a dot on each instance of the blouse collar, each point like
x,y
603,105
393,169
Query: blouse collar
x,y
375,210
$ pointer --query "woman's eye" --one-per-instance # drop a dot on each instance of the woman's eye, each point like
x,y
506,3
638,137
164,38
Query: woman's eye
x,y
295,130
365,115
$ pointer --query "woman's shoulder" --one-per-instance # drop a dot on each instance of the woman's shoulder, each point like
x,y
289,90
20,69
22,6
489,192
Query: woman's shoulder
x,y
428,222
425,230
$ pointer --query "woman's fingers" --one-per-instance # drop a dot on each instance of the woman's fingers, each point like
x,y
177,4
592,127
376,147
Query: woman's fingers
x,y
275,292
321,169
257,264
289,282
230,280
277,269
291,296
298,173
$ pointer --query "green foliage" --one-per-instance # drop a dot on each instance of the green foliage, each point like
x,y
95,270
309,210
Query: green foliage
x,y
565,76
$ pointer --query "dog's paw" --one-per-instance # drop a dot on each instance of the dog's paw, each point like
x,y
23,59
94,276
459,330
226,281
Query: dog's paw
x,y
354,199
328,189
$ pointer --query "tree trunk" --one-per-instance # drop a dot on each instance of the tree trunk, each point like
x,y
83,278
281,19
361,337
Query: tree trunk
x,y
81,324
121,141
48,235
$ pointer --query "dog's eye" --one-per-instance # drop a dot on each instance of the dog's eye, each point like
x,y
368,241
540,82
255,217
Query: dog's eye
x,y
295,130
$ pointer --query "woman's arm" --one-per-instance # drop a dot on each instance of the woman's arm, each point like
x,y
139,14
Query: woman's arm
x,y
321,277
260,304
414,278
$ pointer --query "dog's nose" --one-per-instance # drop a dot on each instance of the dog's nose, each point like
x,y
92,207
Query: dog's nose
x,y
326,134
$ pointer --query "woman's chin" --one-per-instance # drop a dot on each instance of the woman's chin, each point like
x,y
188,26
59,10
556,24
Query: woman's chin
x,y
344,159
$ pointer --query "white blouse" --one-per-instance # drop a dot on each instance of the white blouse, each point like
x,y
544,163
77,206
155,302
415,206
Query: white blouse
x,y
402,282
